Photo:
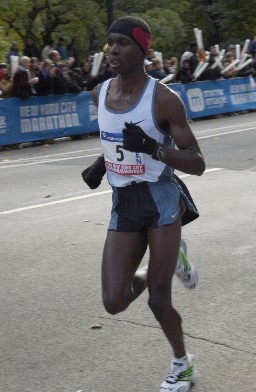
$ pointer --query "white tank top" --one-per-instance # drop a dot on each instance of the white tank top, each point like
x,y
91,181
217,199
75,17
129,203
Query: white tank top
x,y
124,167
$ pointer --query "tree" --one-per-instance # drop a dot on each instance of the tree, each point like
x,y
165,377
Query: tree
x,y
235,20
171,22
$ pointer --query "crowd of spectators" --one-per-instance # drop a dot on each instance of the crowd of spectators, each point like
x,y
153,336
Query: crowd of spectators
x,y
56,68
216,65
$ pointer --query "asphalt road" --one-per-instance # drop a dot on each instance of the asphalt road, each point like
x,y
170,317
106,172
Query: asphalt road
x,y
55,335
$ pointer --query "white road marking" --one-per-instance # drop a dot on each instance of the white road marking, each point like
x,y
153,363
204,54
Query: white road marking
x,y
225,133
49,155
7,212
228,126
6,164
48,161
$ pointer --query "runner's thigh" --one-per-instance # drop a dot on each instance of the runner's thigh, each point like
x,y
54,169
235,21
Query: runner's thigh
x,y
122,255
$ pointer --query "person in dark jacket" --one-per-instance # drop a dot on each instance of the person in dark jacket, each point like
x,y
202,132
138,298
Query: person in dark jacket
x,y
30,49
184,75
192,55
65,81
46,84
23,85
73,52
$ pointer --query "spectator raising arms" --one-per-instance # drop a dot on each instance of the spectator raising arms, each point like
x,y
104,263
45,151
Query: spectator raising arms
x,y
191,54
228,59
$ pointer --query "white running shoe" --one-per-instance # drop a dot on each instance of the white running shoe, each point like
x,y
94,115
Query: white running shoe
x,y
181,377
185,270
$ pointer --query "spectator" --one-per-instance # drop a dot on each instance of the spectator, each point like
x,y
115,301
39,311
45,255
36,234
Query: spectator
x,y
73,53
249,70
191,54
252,51
105,71
173,68
62,48
3,70
46,83
65,81
5,84
47,49
232,49
86,75
151,54
174,64
77,74
184,75
30,49
211,73
166,66
54,56
147,65
23,85
252,47
227,60
13,57
34,67
156,70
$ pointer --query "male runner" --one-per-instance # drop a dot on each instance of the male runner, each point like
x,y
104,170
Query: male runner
x,y
141,121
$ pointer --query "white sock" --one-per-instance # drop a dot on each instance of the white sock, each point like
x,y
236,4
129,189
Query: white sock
x,y
185,358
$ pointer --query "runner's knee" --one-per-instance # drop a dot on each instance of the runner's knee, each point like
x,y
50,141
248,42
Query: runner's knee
x,y
159,302
114,305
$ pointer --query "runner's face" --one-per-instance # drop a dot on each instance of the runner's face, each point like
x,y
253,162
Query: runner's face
x,y
124,54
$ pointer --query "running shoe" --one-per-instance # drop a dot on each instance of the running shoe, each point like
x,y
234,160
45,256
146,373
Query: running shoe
x,y
181,377
185,270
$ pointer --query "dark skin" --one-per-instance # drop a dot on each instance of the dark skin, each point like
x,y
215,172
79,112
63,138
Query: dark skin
x,y
124,251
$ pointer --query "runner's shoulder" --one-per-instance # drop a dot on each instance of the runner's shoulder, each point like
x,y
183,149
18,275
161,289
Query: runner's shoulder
x,y
166,96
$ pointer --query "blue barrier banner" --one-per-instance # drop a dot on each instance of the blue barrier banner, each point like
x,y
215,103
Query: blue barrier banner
x,y
47,117
216,97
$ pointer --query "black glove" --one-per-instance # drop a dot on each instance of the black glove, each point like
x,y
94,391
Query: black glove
x,y
136,140
93,174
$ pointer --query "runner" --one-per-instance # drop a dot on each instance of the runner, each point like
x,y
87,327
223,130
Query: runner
x,y
140,122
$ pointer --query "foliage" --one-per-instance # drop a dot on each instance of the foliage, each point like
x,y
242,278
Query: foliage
x,y
235,20
171,22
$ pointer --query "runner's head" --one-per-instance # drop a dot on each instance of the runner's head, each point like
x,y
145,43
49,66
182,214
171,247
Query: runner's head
x,y
135,28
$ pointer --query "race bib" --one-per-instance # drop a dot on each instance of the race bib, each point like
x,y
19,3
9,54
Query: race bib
x,y
117,159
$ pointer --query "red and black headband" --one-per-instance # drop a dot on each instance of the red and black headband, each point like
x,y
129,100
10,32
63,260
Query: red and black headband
x,y
135,28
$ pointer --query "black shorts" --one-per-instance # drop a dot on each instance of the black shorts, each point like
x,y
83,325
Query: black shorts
x,y
144,205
